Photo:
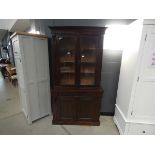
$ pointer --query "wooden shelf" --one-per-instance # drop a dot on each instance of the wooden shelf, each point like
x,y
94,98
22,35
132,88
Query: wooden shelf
x,y
88,49
67,82
88,59
66,59
67,71
89,70
85,81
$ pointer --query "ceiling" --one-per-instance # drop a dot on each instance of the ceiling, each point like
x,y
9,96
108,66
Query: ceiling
x,y
90,22
6,24
23,24
13,25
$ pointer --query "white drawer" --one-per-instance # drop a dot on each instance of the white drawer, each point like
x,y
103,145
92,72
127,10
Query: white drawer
x,y
141,129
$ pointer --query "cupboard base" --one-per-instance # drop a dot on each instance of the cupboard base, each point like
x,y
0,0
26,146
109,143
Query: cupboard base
x,y
76,107
55,122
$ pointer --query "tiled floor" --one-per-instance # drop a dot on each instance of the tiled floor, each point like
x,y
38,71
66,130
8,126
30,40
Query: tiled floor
x,y
13,121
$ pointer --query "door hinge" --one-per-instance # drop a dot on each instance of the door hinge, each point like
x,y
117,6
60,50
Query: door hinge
x,y
145,37
131,113
138,79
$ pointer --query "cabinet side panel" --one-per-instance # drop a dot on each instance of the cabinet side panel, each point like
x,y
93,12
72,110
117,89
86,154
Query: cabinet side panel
x,y
128,67
33,101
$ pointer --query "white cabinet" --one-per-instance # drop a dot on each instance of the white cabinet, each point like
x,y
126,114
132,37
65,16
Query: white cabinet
x,y
31,59
135,103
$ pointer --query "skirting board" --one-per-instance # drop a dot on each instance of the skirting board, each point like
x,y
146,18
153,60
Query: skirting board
x,y
120,120
117,124
107,113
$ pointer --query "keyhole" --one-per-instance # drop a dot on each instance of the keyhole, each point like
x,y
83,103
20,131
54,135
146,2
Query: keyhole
x,y
143,131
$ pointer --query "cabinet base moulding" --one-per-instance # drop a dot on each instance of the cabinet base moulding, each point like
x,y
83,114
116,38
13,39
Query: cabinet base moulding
x,y
127,127
54,122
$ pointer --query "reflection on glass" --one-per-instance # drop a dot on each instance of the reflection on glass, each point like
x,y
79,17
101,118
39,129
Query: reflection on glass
x,y
66,47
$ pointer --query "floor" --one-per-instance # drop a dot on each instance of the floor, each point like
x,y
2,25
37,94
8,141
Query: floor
x,y
13,121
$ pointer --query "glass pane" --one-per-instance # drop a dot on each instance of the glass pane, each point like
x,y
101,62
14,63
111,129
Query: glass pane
x,y
67,45
66,42
87,74
88,51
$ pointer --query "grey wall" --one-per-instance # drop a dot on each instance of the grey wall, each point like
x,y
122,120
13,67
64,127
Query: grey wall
x,y
109,79
111,58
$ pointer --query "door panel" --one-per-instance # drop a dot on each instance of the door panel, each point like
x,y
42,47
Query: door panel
x,y
66,59
88,60
144,102
41,57
88,108
44,100
67,108
30,59
34,101
144,108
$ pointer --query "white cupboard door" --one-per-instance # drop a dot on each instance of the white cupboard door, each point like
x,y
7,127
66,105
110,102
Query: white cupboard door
x,y
31,76
42,64
42,67
144,102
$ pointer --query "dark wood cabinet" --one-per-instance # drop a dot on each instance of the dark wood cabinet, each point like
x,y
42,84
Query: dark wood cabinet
x,y
77,60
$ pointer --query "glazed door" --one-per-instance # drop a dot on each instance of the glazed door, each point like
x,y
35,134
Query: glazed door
x,y
66,59
88,58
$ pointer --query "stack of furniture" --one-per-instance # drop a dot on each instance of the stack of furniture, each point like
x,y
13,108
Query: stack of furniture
x,y
77,60
11,74
3,64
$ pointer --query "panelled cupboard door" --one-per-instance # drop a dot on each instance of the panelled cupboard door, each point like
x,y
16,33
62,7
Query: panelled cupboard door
x,y
144,103
88,108
42,73
41,59
67,108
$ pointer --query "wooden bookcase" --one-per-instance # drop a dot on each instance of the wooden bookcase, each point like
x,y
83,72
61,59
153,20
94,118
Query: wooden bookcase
x,y
77,60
